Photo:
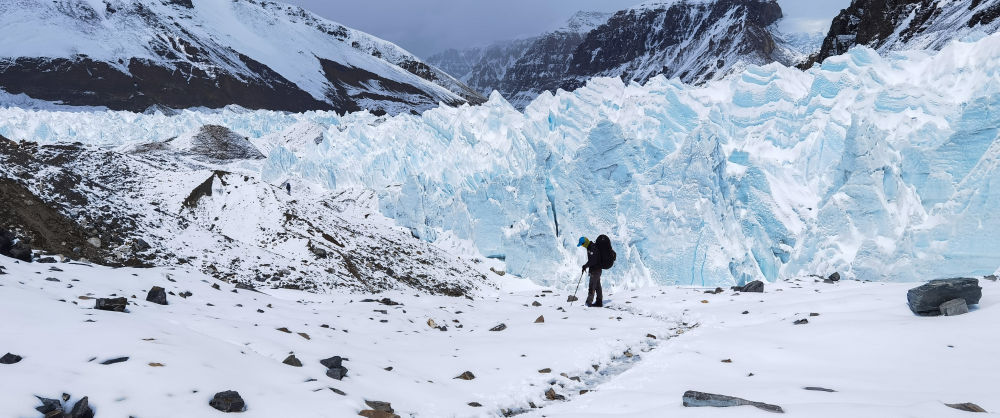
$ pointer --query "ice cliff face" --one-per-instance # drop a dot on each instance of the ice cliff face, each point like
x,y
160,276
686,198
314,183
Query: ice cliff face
x,y
130,55
888,25
881,168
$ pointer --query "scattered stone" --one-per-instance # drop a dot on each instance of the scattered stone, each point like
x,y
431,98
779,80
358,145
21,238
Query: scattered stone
x,y
335,368
704,301
431,323
371,413
755,286
818,389
715,292
81,409
500,327
991,277
94,242
475,404
49,406
926,300
114,360
10,358
228,401
728,360
746,312
111,304
467,375
384,301
967,407
572,298
536,304
835,277
293,361
304,335
46,260
651,336
51,279
954,307
813,314
157,295
185,294
545,370
156,364
697,399
338,391
540,319
284,329
802,321
380,406
216,286
553,396
335,361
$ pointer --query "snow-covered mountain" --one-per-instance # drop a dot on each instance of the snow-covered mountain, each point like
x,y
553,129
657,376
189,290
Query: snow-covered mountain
x,y
696,41
893,25
131,54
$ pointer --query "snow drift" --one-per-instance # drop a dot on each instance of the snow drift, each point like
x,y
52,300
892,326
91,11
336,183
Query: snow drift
x,y
881,168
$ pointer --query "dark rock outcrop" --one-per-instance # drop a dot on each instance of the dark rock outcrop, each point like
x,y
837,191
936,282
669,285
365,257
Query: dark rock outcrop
x,y
228,401
221,143
755,286
111,304
926,300
887,25
10,358
335,367
696,399
157,295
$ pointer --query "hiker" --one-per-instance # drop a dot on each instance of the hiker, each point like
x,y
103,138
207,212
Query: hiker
x,y
599,256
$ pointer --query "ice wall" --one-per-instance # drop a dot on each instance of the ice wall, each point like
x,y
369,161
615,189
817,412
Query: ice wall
x,y
881,168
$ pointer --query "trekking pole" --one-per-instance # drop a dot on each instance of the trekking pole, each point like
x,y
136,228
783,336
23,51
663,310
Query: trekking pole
x,y
580,280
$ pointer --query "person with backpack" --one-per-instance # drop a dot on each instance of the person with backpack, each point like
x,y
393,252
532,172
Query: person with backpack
x,y
600,256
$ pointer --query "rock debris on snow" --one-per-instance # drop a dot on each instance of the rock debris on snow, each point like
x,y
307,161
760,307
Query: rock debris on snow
x,y
698,399
228,401
926,300
10,359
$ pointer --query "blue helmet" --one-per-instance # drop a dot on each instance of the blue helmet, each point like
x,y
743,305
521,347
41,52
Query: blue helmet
x,y
583,242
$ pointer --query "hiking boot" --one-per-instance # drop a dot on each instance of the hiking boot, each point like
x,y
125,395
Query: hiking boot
x,y
588,304
598,305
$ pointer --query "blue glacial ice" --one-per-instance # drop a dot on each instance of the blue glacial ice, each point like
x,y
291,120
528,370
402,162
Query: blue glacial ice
x,y
880,168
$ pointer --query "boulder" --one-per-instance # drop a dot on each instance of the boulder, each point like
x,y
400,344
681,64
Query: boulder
x,y
49,406
11,247
967,407
337,372
293,361
81,409
157,295
954,307
835,277
228,401
111,304
926,300
540,320
335,361
698,399
553,396
10,358
467,375
500,327
755,286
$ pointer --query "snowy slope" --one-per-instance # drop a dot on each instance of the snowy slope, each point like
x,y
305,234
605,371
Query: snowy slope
x,y
880,168
208,53
908,24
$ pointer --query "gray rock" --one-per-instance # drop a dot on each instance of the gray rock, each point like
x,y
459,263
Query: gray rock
x,y
293,361
697,399
81,409
157,295
835,277
755,286
95,242
337,372
926,300
139,245
467,375
818,389
967,407
802,321
380,406
335,361
954,307
111,304
10,358
114,360
228,401
500,327
49,406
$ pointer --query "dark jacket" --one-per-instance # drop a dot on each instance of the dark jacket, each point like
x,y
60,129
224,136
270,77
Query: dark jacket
x,y
593,257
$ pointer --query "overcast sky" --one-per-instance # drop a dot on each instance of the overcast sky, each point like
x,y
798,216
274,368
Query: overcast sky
x,y
425,27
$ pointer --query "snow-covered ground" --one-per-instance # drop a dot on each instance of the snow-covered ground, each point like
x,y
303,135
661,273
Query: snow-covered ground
x,y
865,344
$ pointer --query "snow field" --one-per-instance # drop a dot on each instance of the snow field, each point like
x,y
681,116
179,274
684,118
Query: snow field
x,y
216,340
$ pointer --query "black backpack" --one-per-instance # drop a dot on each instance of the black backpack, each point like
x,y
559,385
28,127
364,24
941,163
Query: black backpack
x,y
605,254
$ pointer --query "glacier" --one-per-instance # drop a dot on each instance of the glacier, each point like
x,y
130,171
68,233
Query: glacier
x,y
881,168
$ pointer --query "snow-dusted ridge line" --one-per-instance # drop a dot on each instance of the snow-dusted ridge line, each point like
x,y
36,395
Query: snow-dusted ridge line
x,y
877,167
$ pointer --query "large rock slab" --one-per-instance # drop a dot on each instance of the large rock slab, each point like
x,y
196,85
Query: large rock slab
x,y
111,304
926,300
755,286
697,399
